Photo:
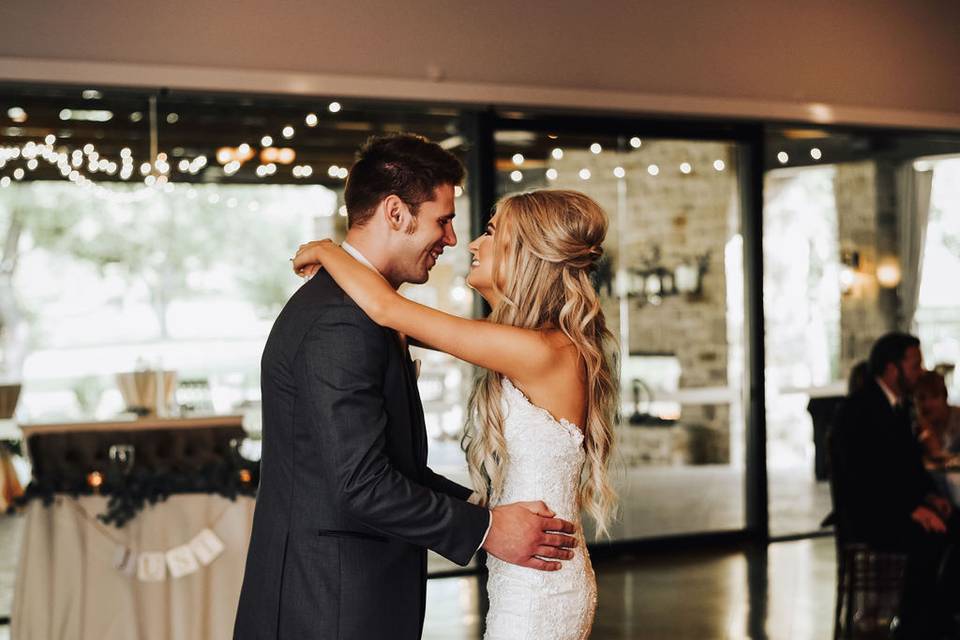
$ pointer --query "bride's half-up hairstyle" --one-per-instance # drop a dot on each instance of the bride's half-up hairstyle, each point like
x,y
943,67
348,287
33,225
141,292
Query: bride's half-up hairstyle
x,y
542,275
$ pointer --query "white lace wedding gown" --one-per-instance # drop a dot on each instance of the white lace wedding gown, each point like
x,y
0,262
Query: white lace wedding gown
x,y
545,460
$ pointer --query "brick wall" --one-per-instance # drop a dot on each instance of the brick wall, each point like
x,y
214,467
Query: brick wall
x,y
686,215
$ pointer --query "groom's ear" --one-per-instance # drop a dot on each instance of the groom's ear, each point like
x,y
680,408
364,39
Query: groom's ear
x,y
395,212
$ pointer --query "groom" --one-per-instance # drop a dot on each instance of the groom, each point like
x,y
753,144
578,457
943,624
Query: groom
x,y
347,506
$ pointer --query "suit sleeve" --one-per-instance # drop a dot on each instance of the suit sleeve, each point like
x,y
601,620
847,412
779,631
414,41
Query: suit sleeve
x,y
345,358
441,484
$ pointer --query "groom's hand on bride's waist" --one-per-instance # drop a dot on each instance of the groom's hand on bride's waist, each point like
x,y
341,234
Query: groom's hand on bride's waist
x,y
528,534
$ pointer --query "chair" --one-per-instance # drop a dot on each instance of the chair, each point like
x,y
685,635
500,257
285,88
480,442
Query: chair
x,y
869,589
869,582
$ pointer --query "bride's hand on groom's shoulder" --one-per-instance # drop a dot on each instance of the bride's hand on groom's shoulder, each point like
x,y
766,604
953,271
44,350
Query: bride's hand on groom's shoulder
x,y
308,259
528,534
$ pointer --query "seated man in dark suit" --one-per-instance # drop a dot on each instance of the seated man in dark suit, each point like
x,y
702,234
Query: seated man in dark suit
x,y
885,497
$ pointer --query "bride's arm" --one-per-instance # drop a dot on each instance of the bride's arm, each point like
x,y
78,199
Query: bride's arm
x,y
515,352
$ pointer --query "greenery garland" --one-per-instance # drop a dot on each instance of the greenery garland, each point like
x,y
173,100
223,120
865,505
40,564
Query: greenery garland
x,y
129,493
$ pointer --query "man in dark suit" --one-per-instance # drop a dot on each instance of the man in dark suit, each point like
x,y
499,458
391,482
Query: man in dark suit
x,y
885,496
347,506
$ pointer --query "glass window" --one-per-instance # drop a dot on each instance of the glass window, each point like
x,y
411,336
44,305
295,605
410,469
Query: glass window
x,y
855,245
148,231
671,286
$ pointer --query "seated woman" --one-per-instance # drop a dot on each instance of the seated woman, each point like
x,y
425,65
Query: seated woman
x,y
938,422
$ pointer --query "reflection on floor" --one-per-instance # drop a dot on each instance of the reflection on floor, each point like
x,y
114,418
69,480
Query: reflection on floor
x,y
783,593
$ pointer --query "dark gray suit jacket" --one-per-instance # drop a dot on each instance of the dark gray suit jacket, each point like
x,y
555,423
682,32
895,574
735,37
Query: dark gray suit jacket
x,y
346,506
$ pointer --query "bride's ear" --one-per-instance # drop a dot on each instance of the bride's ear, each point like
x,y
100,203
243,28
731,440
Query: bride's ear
x,y
395,212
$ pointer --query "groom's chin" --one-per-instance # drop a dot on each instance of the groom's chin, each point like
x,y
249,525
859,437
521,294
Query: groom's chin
x,y
420,278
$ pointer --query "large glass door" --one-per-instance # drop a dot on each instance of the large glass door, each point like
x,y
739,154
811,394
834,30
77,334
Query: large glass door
x,y
672,289
859,239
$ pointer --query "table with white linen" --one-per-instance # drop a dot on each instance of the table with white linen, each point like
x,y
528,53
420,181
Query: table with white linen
x,y
68,587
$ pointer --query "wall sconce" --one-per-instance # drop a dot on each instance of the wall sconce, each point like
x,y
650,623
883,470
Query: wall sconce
x,y
654,281
849,265
888,272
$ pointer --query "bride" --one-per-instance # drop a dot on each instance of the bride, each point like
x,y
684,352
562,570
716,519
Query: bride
x,y
541,412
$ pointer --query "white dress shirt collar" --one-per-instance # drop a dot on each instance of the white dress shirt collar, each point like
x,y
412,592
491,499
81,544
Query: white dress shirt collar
x,y
349,248
891,396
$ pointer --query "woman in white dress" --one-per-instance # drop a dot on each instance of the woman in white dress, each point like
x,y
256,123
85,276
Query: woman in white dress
x,y
541,413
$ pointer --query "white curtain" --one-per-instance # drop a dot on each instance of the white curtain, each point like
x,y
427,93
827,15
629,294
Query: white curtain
x,y
913,210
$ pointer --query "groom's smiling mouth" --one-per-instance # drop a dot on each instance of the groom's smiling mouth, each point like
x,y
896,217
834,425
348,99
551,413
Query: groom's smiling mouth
x,y
435,254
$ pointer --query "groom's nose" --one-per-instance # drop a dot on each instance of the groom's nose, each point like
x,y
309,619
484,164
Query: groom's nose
x,y
449,235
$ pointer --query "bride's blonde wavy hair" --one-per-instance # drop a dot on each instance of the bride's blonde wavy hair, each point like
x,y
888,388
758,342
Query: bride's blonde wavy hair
x,y
554,244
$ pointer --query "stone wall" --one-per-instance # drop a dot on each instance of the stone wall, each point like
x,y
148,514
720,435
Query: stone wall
x,y
686,215
866,216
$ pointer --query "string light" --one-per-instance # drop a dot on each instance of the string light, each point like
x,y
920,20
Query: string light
x,y
584,174
557,154
552,174
516,176
231,158
815,153
595,148
783,157
653,170
685,168
17,114
518,159
719,165
635,142
619,172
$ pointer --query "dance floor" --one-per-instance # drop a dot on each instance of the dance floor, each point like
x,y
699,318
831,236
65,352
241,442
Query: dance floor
x,y
782,593
710,594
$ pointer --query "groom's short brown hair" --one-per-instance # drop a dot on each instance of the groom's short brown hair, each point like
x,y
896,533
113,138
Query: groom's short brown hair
x,y
405,165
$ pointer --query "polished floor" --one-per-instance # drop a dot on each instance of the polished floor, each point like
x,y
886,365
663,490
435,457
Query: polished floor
x,y
785,592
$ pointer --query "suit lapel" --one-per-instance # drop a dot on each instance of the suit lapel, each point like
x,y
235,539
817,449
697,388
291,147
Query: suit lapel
x,y
417,421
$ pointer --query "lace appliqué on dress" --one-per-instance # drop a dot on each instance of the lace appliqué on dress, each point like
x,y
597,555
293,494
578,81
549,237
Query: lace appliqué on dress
x,y
546,459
